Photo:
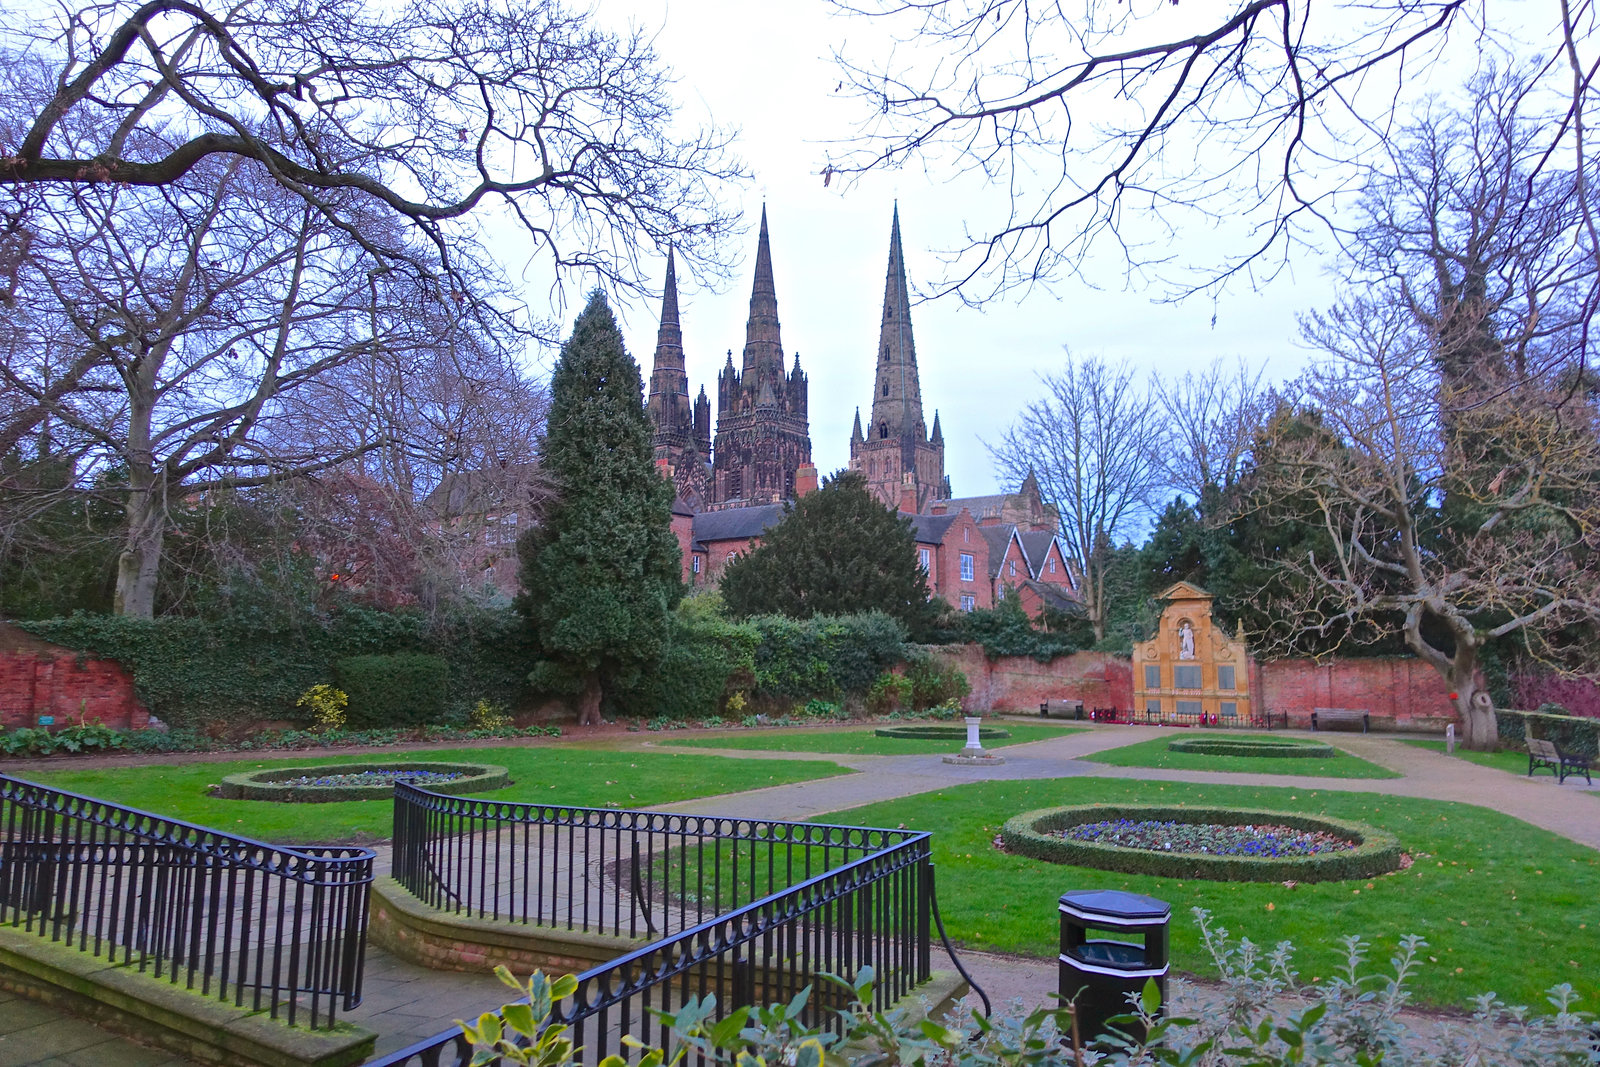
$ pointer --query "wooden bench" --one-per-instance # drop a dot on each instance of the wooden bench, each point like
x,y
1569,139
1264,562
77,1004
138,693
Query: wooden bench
x,y
1321,717
1061,708
1548,754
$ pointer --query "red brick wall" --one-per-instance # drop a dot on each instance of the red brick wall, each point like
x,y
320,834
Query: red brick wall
x,y
35,683
1401,693
1020,683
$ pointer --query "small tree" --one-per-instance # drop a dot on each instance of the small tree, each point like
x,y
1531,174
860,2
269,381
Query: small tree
x,y
601,573
838,551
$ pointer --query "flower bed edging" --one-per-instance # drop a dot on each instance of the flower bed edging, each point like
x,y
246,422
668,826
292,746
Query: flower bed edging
x,y
1243,746
269,784
1376,851
940,733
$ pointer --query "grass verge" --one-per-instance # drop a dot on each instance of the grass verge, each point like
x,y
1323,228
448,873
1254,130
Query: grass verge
x,y
863,742
549,774
1503,905
1514,761
1154,753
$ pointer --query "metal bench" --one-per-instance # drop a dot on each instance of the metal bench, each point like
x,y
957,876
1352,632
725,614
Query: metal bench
x,y
1061,708
1549,755
1321,717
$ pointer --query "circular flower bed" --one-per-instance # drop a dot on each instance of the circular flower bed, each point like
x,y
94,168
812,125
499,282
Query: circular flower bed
x,y
940,733
360,781
1221,844
1278,747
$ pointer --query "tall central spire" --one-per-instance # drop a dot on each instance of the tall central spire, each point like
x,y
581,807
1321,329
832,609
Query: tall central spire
x,y
897,398
763,345
669,337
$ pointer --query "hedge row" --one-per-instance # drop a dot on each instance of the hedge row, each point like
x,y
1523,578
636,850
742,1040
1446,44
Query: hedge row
x,y
1376,852
1238,746
1581,737
403,689
941,733
266,785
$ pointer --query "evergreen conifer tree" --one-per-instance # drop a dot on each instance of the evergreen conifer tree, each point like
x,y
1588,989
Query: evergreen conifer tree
x,y
602,570
838,551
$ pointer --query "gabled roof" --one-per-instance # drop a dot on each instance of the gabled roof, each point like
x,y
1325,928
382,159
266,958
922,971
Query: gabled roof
x,y
1036,546
999,538
930,529
1053,596
1184,591
479,491
737,524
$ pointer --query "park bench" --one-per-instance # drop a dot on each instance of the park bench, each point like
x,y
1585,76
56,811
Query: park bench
x,y
1061,708
1321,717
1542,753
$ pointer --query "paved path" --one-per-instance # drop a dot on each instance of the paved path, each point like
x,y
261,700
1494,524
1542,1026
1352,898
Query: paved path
x,y
405,1003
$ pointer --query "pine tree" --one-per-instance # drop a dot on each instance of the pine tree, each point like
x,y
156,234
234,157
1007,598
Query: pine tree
x,y
837,551
602,571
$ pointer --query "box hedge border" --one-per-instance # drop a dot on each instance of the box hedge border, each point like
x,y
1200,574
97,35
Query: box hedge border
x,y
1376,852
1241,746
265,784
1579,736
940,733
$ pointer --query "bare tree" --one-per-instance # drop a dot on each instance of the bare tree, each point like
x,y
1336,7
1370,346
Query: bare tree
x,y
430,112
1092,445
1213,416
1116,127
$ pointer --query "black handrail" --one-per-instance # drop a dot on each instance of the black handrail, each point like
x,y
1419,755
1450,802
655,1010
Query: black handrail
x,y
871,909
282,929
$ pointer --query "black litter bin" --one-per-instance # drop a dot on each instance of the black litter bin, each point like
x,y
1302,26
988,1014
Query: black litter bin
x,y
1099,973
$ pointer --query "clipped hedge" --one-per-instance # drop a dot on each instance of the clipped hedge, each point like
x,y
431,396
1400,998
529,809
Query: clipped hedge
x,y
266,785
940,733
1376,852
1581,737
1259,747
404,689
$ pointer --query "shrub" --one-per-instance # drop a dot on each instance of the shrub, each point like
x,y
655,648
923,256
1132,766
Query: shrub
x,y
1252,746
932,685
890,692
487,715
705,656
1376,852
941,733
327,706
1006,630
405,689
270,784
38,741
1576,735
826,655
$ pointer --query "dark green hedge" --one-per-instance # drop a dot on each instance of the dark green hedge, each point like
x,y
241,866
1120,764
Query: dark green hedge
x,y
263,785
195,672
1242,746
1581,737
404,689
1377,851
940,733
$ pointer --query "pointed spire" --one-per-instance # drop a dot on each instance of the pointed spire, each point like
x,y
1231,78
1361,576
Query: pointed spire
x,y
671,331
937,437
856,435
897,393
763,345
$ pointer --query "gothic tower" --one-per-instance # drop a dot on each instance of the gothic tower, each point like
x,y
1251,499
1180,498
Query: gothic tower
x,y
682,436
903,463
763,430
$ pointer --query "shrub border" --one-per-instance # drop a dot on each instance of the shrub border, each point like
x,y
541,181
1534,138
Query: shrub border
x,y
256,785
1242,746
1376,852
935,732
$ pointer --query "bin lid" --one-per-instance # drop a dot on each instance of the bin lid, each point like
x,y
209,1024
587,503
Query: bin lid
x,y
1115,904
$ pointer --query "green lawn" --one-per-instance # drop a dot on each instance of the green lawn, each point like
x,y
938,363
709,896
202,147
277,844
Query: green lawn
x,y
1154,753
864,742
562,775
1507,759
1503,905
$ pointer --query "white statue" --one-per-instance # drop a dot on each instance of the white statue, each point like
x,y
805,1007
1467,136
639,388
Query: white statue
x,y
1186,641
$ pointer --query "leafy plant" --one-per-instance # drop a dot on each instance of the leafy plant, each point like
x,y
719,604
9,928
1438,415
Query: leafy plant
x,y
889,692
487,715
327,706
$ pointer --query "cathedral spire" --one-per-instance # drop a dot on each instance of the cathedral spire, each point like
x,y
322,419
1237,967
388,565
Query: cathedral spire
x,y
671,331
897,398
763,346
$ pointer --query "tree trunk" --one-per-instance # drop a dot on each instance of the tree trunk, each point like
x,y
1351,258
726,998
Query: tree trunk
x,y
589,702
140,561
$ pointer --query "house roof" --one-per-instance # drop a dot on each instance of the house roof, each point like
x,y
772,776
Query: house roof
x,y
999,538
1054,596
737,524
1036,546
930,529
479,491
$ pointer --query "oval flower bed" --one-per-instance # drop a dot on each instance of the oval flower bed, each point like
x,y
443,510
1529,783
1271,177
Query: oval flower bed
x,y
940,733
1269,747
1221,844
360,781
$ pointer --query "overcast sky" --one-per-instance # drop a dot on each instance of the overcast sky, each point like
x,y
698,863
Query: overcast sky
x,y
767,69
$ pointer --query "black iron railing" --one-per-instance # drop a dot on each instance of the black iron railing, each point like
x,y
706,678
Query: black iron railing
x,y
278,929
753,911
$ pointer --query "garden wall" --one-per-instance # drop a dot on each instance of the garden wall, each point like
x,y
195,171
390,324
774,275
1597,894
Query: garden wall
x,y
1401,693
1021,683
40,679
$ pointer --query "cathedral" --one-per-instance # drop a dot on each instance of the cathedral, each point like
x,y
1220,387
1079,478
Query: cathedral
x,y
734,485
